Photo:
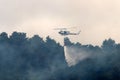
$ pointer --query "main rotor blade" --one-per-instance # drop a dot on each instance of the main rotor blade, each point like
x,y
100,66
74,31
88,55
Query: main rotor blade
x,y
60,29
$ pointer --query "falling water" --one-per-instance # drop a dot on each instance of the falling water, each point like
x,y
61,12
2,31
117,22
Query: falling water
x,y
74,55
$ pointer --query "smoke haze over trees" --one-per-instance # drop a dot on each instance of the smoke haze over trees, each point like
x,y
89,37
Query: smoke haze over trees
x,y
23,58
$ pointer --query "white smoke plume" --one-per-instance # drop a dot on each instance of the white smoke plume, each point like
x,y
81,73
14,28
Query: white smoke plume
x,y
74,55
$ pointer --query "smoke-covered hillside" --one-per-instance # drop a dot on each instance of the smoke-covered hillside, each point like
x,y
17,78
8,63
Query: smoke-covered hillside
x,y
23,58
93,62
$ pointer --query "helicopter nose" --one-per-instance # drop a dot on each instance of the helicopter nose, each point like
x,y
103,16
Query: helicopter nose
x,y
59,32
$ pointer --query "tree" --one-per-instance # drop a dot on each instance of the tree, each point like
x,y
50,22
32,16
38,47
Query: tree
x,y
18,38
3,37
109,46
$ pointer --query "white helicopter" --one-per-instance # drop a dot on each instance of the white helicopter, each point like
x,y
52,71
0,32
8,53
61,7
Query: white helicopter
x,y
65,32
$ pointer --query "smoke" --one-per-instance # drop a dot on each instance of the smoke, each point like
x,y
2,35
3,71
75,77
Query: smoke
x,y
36,59
74,55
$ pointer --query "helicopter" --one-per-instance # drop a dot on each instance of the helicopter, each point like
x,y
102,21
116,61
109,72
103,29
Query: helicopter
x,y
65,32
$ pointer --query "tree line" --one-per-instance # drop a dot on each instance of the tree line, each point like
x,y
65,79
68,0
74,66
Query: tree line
x,y
23,58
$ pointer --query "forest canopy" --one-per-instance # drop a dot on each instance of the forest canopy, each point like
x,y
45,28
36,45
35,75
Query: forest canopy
x,y
23,58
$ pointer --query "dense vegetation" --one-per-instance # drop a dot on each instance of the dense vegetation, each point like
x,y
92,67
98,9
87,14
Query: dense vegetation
x,y
103,64
23,58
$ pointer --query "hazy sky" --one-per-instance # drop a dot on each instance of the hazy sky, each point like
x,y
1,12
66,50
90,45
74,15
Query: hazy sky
x,y
97,19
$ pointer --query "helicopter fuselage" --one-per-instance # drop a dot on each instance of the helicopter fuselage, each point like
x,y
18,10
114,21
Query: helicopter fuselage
x,y
65,33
